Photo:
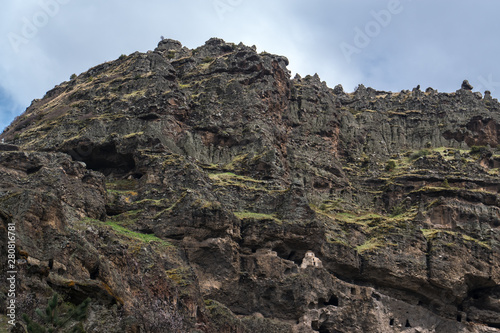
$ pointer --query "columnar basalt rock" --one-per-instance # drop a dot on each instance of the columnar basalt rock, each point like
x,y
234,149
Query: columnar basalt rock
x,y
204,190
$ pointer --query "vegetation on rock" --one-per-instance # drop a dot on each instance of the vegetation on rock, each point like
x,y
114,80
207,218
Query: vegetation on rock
x,y
180,190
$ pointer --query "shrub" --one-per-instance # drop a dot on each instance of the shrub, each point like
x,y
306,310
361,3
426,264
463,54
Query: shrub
x,y
476,150
420,153
57,319
171,54
397,210
391,165
208,59
72,77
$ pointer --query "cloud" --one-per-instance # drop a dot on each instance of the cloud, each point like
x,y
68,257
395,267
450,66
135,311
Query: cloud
x,y
9,109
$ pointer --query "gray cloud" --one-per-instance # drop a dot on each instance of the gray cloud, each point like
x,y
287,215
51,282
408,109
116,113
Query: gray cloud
x,y
435,44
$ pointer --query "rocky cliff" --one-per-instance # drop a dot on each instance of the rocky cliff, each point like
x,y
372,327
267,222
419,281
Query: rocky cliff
x,y
204,190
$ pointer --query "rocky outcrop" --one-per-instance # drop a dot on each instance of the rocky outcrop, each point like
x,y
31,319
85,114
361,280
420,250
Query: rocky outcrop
x,y
205,190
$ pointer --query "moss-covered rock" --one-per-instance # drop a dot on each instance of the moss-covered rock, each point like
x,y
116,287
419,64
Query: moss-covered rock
x,y
181,190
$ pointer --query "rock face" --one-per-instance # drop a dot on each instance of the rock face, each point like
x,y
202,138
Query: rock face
x,y
205,190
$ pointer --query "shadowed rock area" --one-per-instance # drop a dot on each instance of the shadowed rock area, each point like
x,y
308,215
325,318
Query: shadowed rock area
x,y
204,190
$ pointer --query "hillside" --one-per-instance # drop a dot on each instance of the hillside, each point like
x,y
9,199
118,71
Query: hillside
x,y
205,190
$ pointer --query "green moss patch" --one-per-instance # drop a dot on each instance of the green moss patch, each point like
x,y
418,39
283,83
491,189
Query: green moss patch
x,y
122,184
222,316
171,207
182,276
370,245
123,231
231,179
256,216
434,234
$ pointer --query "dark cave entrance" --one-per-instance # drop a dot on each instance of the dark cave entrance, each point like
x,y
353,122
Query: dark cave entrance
x,y
333,300
104,158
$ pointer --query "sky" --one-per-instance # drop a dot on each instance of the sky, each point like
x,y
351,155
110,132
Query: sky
x,y
385,44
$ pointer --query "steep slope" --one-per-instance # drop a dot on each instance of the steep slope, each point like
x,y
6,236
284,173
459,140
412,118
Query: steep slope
x,y
205,191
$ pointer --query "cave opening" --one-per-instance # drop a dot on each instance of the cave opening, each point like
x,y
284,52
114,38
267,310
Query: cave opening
x,y
334,300
137,175
94,272
105,158
284,251
33,169
323,329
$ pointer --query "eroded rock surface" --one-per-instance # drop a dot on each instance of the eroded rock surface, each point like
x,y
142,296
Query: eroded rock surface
x,y
205,190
